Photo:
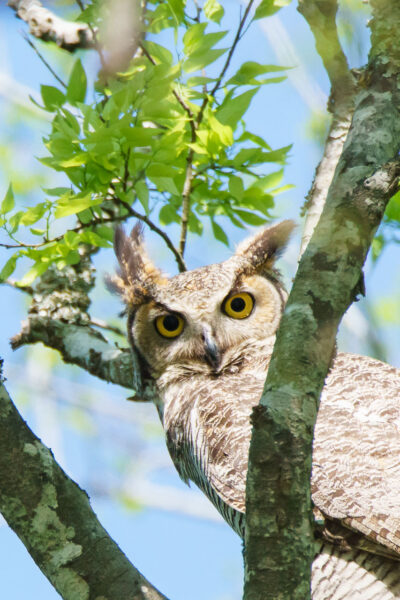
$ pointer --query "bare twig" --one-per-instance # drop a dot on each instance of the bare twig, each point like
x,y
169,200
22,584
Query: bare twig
x,y
46,26
44,61
187,190
104,325
22,288
153,227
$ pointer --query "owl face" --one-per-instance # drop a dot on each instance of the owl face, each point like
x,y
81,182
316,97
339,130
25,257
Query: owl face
x,y
194,321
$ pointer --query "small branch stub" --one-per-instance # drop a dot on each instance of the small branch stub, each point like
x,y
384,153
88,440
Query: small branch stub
x,y
45,25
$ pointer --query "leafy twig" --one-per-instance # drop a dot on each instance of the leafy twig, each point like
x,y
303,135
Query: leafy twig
x,y
76,229
227,62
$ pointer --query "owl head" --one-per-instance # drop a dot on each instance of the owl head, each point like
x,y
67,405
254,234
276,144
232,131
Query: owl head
x,y
195,321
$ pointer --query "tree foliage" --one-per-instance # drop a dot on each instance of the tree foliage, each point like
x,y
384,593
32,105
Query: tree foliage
x,y
163,140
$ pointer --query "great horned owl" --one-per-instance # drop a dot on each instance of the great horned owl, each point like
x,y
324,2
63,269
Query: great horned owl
x,y
206,337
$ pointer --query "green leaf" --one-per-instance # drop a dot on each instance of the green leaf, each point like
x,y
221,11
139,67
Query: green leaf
x,y
76,90
71,204
224,132
268,181
168,215
213,10
233,109
377,247
105,232
75,161
250,70
162,176
393,208
33,214
15,220
250,217
192,37
9,267
256,139
194,224
158,53
8,201
219,233
90,237
177,10
266,8
199,60
57,191
52,97
36,231
38,269
142,192
236,186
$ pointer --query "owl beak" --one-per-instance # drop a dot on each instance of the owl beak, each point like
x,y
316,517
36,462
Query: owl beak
x,y
213,356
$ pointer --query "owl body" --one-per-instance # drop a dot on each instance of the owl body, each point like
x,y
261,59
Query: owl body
x,y
206,337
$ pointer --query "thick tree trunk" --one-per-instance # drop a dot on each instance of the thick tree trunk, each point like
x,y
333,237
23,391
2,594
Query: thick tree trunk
x,y
279,544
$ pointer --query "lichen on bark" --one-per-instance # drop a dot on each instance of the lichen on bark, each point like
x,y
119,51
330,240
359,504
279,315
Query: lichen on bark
x,y
329,278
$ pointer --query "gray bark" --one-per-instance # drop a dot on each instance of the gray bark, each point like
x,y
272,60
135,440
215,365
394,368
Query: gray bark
x,y
53,518
279,545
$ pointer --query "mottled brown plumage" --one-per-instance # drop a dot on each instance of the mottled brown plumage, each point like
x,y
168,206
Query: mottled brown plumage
x,y
211,374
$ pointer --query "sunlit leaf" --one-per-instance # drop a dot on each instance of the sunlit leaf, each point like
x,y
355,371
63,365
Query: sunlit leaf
x,y
233,109
250,70
199,60
70,204
33,214
52,97
213,10
393,208
38,269
9,267
8,201
219,233
266,8
76,90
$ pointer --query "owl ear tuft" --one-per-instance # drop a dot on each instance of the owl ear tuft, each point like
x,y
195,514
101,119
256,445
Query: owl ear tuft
x,y
137,276
262,249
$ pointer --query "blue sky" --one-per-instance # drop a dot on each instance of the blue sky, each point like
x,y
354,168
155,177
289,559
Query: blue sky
x,y
184,556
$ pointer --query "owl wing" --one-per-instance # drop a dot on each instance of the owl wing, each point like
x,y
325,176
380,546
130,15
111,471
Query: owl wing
x,y
225,430
356,458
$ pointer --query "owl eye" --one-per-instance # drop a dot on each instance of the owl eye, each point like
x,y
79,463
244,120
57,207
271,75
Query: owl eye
x,y
169,326
238,306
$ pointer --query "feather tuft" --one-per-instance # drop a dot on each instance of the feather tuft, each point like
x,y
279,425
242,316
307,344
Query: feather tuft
x,y
137,276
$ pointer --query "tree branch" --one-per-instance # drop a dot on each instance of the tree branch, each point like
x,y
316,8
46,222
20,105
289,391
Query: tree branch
x,y
46,26
329,278
59,319
53,518
82,346
321,17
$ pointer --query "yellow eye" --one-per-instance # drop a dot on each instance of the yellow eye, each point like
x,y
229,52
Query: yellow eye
x,y
239,306
169,326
